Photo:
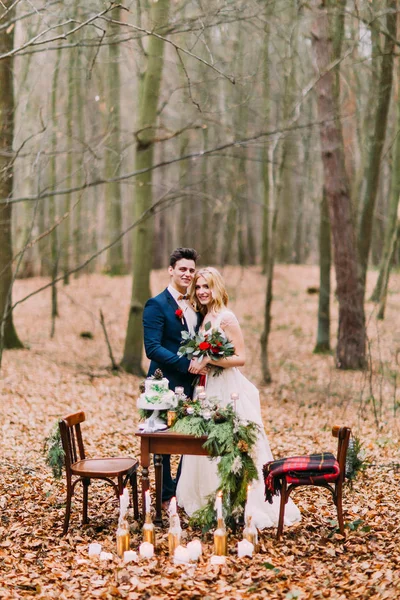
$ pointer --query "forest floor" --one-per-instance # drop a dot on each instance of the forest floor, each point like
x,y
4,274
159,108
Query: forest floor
x,y
308,395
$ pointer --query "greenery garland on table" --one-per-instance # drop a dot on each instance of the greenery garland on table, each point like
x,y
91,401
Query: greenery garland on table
x,y
232,440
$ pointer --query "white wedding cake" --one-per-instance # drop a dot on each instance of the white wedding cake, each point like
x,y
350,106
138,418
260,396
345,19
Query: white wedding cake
x,y
156,395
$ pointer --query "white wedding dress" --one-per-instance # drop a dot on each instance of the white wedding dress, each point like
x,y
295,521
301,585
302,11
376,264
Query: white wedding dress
x,y
199,476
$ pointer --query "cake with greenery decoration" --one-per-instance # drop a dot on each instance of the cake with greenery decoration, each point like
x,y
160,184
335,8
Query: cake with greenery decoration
x,y
156,394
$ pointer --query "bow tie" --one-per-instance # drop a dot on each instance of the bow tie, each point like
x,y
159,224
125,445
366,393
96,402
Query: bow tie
x,y
183,297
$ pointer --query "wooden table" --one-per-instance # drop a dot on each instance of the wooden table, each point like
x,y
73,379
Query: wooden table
x,y
164,442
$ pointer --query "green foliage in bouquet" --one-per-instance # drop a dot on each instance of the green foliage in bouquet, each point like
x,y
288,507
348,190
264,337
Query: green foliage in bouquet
x,y
213,344
230,439
53,449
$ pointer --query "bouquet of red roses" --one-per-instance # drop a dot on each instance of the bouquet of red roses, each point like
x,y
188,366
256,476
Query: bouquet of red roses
x,y
214,344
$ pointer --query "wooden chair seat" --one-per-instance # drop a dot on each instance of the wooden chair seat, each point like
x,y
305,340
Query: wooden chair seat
x,y
107,467
123,469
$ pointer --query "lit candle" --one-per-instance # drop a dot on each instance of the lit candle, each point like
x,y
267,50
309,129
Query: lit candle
x,y
194,549
218,505
147,501
181,556
172,506
130,555
245,548
146,550
94,549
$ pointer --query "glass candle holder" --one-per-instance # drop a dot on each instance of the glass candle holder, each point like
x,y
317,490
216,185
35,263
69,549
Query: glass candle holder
x,y
220,539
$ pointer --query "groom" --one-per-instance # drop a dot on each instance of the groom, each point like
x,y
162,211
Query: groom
x,y
164,318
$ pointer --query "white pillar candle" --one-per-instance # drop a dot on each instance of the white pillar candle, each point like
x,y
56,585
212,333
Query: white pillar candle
x,y
147,501
245,548
130,555
94,549
194,549
181,556
146,550
106,556
172,506
218,505
247,510
217,560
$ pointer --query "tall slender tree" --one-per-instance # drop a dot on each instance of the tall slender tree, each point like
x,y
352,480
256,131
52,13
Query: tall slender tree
x,y
113,154
143,233
8,334
327,35
374,163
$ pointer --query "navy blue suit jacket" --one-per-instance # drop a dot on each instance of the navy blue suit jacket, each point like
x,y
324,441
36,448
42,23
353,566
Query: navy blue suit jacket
x,y
162,338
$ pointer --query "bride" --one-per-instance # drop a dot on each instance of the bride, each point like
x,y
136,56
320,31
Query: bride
x,y
199,476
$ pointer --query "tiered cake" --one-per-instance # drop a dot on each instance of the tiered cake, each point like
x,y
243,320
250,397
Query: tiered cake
x,y
155,397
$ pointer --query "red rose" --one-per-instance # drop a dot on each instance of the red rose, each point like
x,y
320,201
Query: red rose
x,y
215,349
204,346
179,313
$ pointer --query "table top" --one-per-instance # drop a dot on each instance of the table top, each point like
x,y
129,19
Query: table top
x,y
167,433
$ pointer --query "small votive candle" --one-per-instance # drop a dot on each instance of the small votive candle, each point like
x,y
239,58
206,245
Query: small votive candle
x,y
106,556
181,556
146,550
195,550
217,560
94,549
179,390
130,555
245,548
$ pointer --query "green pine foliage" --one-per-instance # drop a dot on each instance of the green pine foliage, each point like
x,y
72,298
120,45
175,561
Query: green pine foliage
x,y
233,441
54,452
355,459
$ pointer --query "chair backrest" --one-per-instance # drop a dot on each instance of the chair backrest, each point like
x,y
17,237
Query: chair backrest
x,y
71,437
343,435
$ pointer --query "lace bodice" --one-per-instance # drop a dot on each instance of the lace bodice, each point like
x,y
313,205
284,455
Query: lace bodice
x,y
221,320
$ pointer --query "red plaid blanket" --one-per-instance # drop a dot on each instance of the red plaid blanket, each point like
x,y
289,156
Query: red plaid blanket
x,y
314,469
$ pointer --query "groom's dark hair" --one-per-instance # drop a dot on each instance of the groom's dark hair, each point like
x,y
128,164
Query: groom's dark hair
x,y
179,253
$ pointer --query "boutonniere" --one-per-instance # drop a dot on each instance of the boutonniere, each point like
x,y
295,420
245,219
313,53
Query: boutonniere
x,y
179,314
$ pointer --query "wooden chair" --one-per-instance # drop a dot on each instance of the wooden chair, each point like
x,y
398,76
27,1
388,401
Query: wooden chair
x,y
79,468
335,486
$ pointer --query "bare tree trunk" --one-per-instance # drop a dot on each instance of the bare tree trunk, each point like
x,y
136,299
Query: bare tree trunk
x,y
323,333
54,243
113,155
390,231
8,334
385,284
143,234
350,352
377,141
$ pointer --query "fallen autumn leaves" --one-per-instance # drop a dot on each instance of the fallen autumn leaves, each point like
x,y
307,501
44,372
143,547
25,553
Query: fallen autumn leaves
x,y
307,397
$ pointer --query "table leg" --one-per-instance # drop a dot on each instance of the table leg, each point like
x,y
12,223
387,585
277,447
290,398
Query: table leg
x,y
158,468
145,463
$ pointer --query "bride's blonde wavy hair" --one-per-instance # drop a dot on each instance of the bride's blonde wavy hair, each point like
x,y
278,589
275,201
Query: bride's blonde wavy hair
x,y
217,287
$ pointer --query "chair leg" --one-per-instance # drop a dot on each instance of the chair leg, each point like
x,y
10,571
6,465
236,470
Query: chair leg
x,y
67,510
282,509
120,485
339,508
133,481
85,484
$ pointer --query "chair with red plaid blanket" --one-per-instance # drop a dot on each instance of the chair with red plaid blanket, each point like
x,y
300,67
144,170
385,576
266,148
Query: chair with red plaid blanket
x,y
321,470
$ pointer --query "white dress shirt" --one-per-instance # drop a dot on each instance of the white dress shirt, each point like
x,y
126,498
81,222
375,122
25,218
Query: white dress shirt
x,y
188,311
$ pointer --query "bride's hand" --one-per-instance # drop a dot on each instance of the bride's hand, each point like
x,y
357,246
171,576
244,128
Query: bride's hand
x,y
198,368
